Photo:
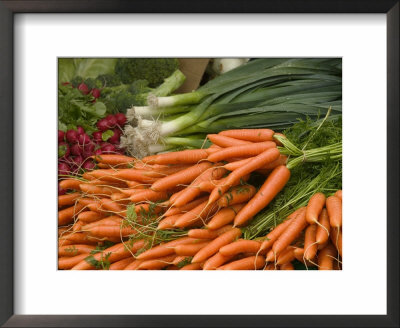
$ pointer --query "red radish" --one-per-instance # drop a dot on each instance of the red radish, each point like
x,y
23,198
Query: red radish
x,y
96,93
83,88
84,139
88,165
76,163
97,136
72,136
102,125
115,137
76,150
63,149
61,191
121,119
61,136
63,169
112,121
80,130
89,147
108,149
98,151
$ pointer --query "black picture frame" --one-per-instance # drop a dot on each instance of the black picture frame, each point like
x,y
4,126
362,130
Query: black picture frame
x,y
8,201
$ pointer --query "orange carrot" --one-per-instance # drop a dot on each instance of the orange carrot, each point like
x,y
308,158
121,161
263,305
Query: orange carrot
x,y
338,194
164,170
241,151
72,250
208,186
192,266
134,174
185,208
177,261
68,199
189,249
271,266
136,184
286,266
191,156
89,216
67,215
168,222
237,195
214,246
271,237
76,238
326,257
93,189
253,164
216,261
110,206
314,207
323,228
271,187
286,256
158,263
182,177
113,159
193,190
336,239
240,246
199,214
334,208
224,141
111,254
237,164
281,160
208,234
291,232
310,245
70,184
254,135
298,254
224,216
132,191
134,265
111,231
77,225
112,220
65,263
247,263
148,195
270,256
87,201
121,264
120,198
164,249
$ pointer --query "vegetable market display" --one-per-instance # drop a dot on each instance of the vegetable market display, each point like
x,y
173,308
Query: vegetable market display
x,y
256,187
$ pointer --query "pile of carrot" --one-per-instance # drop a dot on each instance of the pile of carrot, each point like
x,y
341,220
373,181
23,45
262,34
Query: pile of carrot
x,y
111,217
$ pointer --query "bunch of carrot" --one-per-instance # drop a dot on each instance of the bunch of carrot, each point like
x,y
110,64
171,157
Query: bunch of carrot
x,y
193,199
311,235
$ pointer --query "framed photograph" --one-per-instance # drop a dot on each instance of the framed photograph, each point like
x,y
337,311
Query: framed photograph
x,y
214,138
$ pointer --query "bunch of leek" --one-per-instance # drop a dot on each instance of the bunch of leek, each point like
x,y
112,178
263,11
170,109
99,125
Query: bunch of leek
x,y
273,93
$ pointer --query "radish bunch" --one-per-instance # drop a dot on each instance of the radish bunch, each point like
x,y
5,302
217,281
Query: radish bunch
x,y
75,147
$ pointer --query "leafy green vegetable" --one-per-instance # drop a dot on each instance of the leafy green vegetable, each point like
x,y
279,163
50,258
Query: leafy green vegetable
x,y
121,97
75,109
107,135
154,70
68,68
